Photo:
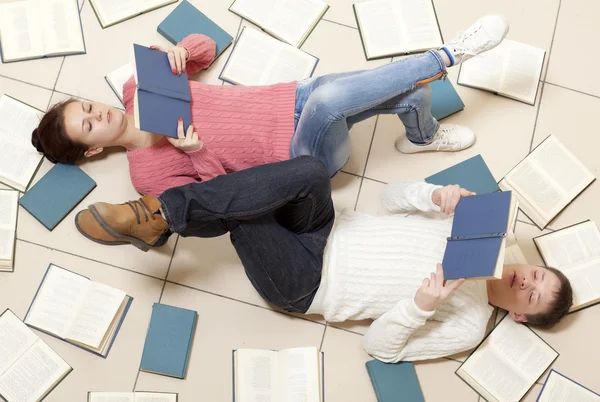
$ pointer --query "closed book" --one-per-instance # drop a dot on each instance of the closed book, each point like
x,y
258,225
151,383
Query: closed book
x,y
475,249
471,174
169,340
186,19
394,382
445,100
57,193
161,97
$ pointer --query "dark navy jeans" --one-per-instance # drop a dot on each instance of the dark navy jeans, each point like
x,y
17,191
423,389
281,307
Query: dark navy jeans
x,y
278,216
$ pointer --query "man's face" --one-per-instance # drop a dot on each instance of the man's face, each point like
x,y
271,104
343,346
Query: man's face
x,y
524,290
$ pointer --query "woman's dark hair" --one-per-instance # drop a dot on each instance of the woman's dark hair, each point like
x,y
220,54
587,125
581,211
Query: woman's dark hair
x,y
51,139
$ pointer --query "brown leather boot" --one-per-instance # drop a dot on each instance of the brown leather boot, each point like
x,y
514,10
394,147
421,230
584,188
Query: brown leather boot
x,y
134,222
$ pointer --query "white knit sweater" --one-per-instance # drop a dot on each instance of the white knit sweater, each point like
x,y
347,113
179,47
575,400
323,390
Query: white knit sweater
x,y
373,266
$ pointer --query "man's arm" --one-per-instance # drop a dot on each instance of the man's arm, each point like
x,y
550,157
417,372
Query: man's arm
x,y
410,196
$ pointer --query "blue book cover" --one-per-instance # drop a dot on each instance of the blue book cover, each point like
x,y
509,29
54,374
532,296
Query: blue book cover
x,y
56,194
445,100
161,96
471,174
478,232
394,382
169,340
186,19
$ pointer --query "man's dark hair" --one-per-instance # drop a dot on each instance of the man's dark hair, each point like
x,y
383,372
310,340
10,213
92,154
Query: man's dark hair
x,y
563,300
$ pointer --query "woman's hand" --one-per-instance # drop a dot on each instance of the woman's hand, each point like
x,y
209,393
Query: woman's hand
x,y
448,197
188,142
177,57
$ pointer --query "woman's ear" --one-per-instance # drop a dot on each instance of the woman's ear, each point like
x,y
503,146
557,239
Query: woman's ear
x,y
93,151
518,317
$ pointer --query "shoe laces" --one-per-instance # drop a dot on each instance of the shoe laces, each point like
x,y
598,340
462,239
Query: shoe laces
x,y
444,138
138,206
461,44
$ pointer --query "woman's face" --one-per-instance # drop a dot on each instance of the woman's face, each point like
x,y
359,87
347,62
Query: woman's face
x,y
94,124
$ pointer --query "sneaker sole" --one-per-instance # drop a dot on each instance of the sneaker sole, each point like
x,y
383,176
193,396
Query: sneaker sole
x,y
433,150
124,238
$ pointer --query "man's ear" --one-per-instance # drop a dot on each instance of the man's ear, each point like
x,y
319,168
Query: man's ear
x,y
93,151
518,317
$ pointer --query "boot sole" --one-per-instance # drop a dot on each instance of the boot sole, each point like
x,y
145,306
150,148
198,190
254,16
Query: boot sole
x,y
124,239
87,236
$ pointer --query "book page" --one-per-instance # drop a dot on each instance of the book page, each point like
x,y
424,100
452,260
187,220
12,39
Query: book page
x,y
21,37
119,77
15,339
514,255
255,375
61,27
154,397
299,375
485,70
111,397
32,376
521,71
9,204
290,20
509,361
58,300
18,157
259,59
561,389
113,11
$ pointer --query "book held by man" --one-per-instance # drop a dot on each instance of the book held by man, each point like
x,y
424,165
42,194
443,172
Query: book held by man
x,y
476,246
392,380
161,98
547,180
471,174
9,211
77,310
507,362
19,160
286,375
258,59
186,19
575,250
560,388
29,368
390,27
291,21
111,12
137,396
116,79
32,29
512,69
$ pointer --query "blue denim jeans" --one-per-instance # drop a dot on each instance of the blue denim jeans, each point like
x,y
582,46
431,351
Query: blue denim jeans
x,y
328,106
278,216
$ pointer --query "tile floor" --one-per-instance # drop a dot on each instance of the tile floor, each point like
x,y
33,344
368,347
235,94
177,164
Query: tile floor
x,y
206,275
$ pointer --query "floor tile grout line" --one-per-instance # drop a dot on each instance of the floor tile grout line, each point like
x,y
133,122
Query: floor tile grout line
x,y
137,376
574,90
169,268
339,23
323,337
375,180
89,259
25,82
552,40
366,162
537,115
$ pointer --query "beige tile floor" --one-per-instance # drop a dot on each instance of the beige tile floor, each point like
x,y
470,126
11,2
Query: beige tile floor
x,y
206,275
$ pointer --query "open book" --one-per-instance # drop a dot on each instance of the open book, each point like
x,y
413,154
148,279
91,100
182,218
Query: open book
x,y
547,180
511,69
9,209
288,375
575,250
77,310
29,369
513,253
33,29
559,388
258,59
507,363
110,12
116,79
19,160
131,397
390,27
291,21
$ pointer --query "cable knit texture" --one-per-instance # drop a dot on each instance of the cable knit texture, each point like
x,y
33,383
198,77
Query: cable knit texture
x,y
240,126
373,266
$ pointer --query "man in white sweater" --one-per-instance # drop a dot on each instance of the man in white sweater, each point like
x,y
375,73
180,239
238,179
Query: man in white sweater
x,y
302,258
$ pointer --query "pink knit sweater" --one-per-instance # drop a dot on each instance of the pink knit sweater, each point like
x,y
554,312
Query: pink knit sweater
x,y
240,126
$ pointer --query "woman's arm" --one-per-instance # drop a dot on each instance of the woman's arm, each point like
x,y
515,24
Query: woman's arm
x,y
206,163
201,52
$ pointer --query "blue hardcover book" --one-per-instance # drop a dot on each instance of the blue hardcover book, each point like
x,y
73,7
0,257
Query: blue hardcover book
x,y
394,382
169,340
558,387
161,97
471,174
186,20
445,100
57,193
475,248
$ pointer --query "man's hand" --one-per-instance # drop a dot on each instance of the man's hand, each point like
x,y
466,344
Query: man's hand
x,y
447,197
188,142
434,291
177,55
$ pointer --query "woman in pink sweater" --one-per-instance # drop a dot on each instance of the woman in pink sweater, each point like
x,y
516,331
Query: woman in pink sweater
x,y
237,127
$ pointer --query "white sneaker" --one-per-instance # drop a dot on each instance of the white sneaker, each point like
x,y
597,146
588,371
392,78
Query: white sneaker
x,y
485,34
449,138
